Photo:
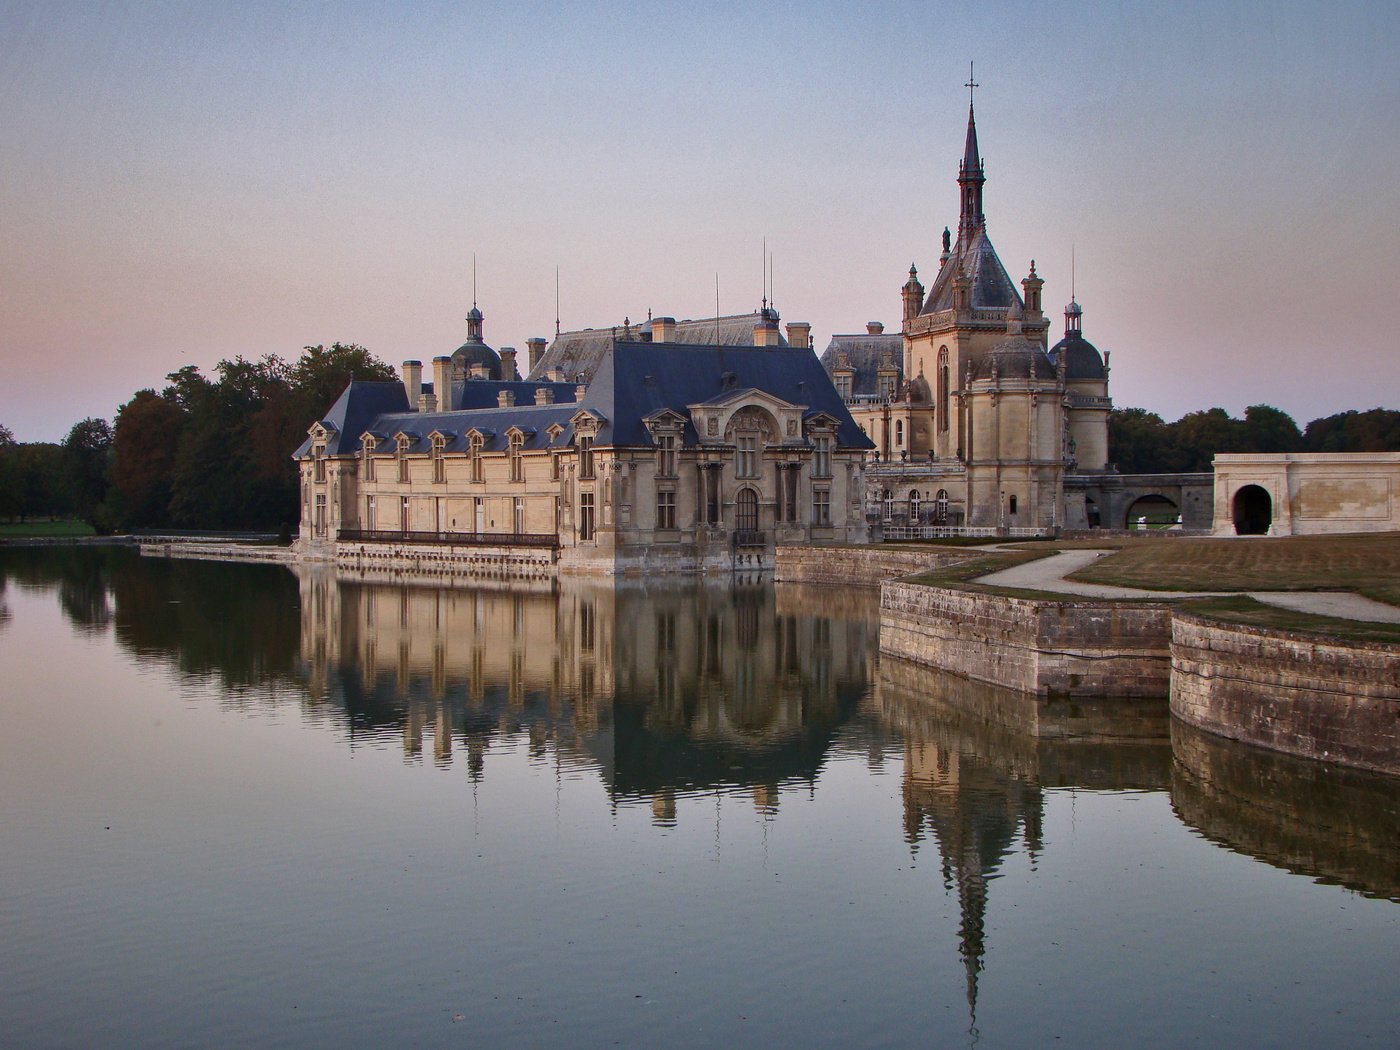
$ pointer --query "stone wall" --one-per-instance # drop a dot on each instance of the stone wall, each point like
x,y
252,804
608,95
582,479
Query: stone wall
x,y
1320,698
1049,648
219,552
861,566
406,561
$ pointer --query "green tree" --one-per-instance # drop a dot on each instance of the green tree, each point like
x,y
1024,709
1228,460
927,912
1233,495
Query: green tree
x,y
1267,429
145,440
87,455
11,494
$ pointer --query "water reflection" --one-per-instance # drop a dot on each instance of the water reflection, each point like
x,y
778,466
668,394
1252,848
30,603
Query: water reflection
x,y
665,690
1336,825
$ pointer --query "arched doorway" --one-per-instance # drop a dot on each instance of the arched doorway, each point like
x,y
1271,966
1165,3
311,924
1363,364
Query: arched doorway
x,y
1252,511
1152,512
746,511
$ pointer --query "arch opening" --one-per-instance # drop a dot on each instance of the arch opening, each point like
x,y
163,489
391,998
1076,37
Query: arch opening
x,y
1252,510
1152,512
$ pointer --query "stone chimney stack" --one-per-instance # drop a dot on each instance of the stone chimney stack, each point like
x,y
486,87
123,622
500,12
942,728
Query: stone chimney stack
x,y
874,327
1031,285
427,402
535,351
663,329
413,381
508,370
480,371
544,395
799,334
580,390
505,399
442,382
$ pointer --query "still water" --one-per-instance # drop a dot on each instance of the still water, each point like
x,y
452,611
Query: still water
x,y
246,807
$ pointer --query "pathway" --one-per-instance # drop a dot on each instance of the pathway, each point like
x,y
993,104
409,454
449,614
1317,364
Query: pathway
x,y
1048,574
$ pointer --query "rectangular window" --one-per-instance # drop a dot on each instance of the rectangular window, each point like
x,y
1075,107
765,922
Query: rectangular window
x,y
585,457
554,466
821,457
320,520
403,469
746,456
821,506
369,465
585,516
439,463
477,443
369,512
666,455
518,516
517,461
843,386
665,510
320,466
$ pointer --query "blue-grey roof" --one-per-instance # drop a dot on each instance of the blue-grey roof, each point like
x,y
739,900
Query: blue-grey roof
x,y
992,288
576,353
864,354
1082,359
631,381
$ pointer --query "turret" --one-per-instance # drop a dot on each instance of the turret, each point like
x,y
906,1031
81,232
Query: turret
x,y
912,294
1031,285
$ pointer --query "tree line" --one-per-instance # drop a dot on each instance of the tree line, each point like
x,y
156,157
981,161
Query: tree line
x,y
206,452
214,452
1140,442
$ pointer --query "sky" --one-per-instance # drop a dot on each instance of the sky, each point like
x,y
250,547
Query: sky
x,y
182,183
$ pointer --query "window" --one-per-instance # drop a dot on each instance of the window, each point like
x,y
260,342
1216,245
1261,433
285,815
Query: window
x,y
940,506
887,498
585,457
887,380
320,519
944,386
1011,505
666,455
369,512
899,431
914,506
478,442
553,465
746,511
666,509
585,516
517,461
746,456
368,452
843,385
821,506
439,464
401,450
518,516
318,455
787,492
821,457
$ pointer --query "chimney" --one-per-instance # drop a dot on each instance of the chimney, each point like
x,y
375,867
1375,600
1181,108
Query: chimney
x,y
427,402
580,390
505,399
765,330
874,327
663,329
413,381
544,395
508,369
535,351
481,371
442,382
799,334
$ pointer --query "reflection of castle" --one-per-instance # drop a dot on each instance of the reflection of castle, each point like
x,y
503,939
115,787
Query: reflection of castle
x,y
665,690
976,761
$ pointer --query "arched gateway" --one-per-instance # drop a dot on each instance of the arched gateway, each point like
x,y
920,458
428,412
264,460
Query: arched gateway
x,y
1252,511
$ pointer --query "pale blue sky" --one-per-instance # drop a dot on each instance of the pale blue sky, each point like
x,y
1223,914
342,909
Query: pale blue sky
x,y
183,182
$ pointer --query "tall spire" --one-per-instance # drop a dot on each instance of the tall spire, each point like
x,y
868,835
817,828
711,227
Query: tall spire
x,y
970,175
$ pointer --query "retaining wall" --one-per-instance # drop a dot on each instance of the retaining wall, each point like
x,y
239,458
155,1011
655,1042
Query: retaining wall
x,y
1321,698
861,566
406,561
1071,648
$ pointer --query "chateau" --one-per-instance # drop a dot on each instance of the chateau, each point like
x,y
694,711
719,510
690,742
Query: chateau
x,y
975,422
661,447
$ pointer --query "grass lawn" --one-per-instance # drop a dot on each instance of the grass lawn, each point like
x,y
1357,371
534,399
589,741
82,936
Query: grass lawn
x,y
44,529
1366,564
1243,610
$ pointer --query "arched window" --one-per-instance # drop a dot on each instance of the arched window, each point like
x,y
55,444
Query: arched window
x,y
899,431
914,506
940,506
944,388
746,510
888,500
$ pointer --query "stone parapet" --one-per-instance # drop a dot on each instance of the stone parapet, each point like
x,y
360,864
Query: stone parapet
x,y
1317,697
860,566
1078,648
403,561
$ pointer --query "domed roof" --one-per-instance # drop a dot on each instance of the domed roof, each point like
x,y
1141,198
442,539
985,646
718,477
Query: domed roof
x,y
473,353
1014,358
1082,360
919,392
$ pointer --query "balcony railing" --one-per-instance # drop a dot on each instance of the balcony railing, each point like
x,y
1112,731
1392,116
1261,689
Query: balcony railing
x,y
462,539
948,532
748,538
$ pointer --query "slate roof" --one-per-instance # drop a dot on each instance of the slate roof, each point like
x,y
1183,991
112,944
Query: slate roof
x,y
865,352
1014,358
992,288
1082,358
581,351
631,381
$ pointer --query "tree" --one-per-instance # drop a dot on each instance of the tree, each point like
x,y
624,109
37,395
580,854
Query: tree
x,y
1138,440
11,493
144,443
1375,431
87,454
1267,429
321,375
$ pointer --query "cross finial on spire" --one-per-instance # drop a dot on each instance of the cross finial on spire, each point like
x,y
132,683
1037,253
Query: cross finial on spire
x,y
971,84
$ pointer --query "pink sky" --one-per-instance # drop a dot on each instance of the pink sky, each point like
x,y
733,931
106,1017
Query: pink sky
x,y
179,186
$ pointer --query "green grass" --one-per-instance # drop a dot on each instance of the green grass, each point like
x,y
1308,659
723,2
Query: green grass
x,y
45,529
1365,564
1239,609
961,575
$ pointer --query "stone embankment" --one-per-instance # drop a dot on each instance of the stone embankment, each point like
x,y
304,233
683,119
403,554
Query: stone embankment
x,y
431,562
254,552
861,566
1303,694
1065,648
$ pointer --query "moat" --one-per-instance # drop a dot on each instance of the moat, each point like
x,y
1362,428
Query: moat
x,y
246,806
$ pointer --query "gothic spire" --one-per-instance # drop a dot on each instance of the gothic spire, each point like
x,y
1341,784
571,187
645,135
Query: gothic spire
x,y
970,176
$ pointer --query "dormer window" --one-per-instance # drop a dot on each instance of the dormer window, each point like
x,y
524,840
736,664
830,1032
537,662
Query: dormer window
x,y
517,461
367,458
821,456
585,457
318,455
476,444
666,455
439,461
401,451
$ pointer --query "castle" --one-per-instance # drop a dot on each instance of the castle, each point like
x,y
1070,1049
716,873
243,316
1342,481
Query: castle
x,y
975,422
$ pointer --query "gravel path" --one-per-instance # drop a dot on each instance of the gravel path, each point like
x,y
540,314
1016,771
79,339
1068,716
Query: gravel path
x,y
1048,574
